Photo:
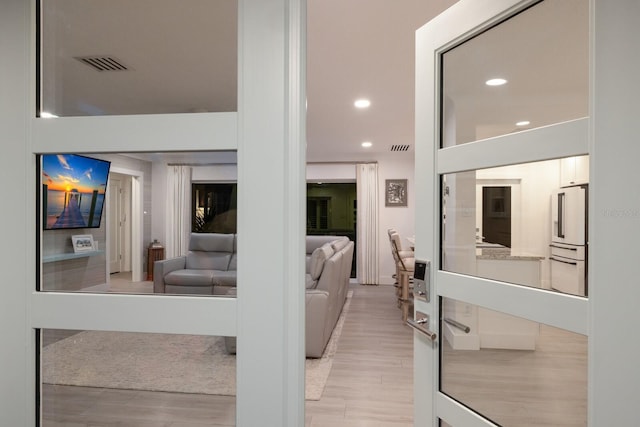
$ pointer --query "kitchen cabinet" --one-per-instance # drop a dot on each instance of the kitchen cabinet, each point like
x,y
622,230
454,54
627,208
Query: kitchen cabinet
x,y
500,330
574,170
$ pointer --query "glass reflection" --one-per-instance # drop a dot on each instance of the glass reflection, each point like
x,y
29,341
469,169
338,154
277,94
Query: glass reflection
x,y
511,370
545,74
125,378
118,58
118,252
503,223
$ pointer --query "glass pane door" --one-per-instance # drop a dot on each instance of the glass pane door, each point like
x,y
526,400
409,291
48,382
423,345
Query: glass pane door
x,y
508,125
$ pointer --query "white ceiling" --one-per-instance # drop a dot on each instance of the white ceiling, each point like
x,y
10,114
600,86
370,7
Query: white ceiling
x,y
356,48
182,57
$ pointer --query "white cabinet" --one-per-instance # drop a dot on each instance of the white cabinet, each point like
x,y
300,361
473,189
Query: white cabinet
x,y
574,170
500,330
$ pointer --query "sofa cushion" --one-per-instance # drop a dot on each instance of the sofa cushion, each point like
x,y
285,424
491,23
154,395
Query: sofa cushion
x,y
318,258
212,242
307,260
190,278
208,260
314,242
339,243
225,278
233,264
309,283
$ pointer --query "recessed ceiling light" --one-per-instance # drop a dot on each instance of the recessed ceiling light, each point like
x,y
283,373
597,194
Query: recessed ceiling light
x,y
366,144
495,82
523,123
362,103
46,115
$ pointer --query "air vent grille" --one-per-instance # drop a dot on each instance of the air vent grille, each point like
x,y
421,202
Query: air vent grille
x,y
400,147
103,63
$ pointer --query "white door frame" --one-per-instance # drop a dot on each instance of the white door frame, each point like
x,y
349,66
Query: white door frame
x,y
136,221
609,136
268,131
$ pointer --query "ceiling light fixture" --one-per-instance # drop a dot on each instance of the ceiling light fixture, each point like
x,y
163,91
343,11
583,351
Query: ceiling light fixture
x,y
523,123
362,103
495,82
46,115
366,144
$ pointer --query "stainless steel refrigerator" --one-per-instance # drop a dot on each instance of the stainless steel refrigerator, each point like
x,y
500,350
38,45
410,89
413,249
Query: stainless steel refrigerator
x,y
569,242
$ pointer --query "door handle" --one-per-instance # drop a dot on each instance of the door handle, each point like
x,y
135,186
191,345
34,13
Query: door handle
x,y
561,215
458,325
421,324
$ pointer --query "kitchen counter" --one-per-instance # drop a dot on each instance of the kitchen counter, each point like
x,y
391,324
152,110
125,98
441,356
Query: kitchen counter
x,y
504,254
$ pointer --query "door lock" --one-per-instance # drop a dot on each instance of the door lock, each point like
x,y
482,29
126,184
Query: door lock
x,y
421,280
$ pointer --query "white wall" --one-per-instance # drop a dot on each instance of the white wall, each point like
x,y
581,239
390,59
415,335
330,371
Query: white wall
x,y
327,172
122,163
217,173
157,207
400,166
537,181
395,166
331,172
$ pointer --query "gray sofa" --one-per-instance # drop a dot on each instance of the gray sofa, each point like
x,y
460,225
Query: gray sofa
x,y
209,268
328,267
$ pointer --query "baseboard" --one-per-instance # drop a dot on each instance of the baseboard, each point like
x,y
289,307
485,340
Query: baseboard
x,y
387,280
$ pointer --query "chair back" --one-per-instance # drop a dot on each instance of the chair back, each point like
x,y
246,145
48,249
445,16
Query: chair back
x,y
395,250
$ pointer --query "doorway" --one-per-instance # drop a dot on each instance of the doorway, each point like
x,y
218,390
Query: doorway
x,y
496,215
119,223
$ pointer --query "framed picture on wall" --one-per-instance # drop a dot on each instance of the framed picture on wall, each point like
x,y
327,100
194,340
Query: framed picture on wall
x,y
82,243
395,191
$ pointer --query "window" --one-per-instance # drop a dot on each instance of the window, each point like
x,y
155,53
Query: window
x,y
214,208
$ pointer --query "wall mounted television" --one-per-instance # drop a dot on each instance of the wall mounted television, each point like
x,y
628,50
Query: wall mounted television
x,y
73,191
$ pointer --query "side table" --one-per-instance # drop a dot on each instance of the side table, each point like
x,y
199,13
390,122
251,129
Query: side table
x,y
155,253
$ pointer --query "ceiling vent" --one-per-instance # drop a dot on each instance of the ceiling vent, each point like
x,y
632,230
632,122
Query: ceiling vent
x,y
400,147
103,63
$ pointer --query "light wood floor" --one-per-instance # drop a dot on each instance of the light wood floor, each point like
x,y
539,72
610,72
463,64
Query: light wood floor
x,y
542,388
370,384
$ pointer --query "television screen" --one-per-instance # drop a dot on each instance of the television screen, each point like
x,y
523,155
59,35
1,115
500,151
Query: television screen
x,y
73,189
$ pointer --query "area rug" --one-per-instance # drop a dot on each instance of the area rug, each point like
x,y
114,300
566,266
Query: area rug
x,y
163,362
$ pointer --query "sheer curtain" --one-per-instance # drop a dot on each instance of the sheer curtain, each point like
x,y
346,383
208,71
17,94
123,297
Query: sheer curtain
x,y
367,232
178,223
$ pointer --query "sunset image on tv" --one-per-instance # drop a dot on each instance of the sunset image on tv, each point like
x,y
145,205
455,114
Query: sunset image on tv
x,y
73,190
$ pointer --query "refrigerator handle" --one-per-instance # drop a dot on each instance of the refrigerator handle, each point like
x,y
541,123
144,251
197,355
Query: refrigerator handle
x,y
564,262
561,215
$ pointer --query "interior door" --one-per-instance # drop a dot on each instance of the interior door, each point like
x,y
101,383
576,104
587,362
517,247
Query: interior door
x,y
256,128
482,114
